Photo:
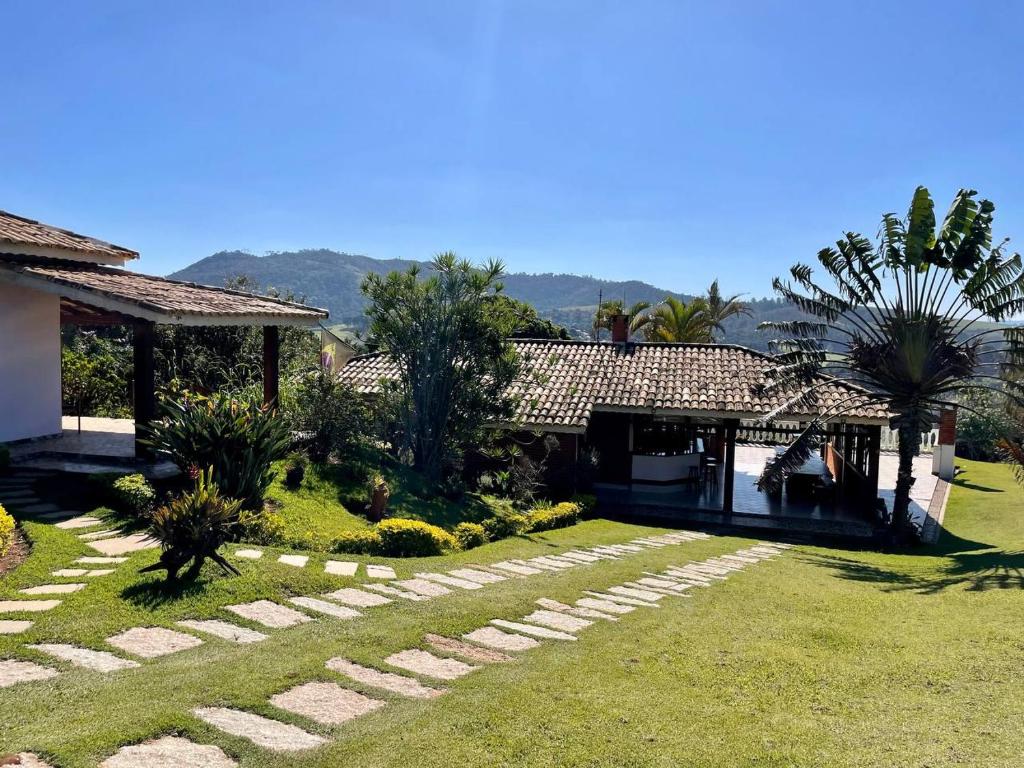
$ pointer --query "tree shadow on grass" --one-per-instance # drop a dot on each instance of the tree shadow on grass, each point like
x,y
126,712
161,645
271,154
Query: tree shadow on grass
x,y
157,592
973,571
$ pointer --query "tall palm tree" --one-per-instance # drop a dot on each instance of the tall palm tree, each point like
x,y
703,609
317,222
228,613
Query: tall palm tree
x,y
899,320
675,320
720,308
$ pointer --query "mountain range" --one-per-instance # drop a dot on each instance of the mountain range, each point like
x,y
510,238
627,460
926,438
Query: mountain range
x,y
331,280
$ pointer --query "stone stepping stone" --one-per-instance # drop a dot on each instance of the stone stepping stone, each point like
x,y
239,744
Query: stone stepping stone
x,y
96,535
14,627
581,557
35,509
381,572
502,641
556,620
151,642
249,554
13,672
122,545
28,760
711,570
169,752
52,589
450,581
297,561
325,703
224,630
708,574
604,550
638,594
480,577
574,610
97,661
563,560
386,681
555,564
91,560
649,588
94,573
627,548
529,629
774,545
28,606
693,577
739,559
465,650
518,567
384,589
322,606
269,614
425,663
357,598
423,587
622,600
82,521
603,607
672,586
261,731
340,568
649,543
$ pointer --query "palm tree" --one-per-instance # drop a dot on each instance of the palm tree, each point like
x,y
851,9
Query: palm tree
x,y
675,320
720,308
899,321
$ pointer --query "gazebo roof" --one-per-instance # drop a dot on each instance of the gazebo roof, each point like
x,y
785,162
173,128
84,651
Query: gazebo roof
x,y
22,232
156,299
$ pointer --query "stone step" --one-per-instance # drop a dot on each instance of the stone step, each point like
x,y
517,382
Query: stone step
x,y
386,681
261,731
502,641
427,664
169,752
528,629
269,614
97,661
224,630
13,672
324,607
325,703
152,642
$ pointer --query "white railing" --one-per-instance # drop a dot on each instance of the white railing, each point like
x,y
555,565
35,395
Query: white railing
x,y
891,440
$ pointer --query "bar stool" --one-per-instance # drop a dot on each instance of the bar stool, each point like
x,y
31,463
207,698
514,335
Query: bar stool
x,y
711,472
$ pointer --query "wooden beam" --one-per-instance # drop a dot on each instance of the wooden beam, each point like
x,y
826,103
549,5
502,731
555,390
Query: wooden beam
x,y
145,381
728,482
271,365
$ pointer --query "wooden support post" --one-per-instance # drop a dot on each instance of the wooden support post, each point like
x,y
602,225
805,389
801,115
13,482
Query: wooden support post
x,y
730,465
874,449
143,333
271,365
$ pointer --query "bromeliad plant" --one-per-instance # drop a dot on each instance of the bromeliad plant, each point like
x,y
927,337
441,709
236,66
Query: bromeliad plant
x,y
192,527
902,320
237,439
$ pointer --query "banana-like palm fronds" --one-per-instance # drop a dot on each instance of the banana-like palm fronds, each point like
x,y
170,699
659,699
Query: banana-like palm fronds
x,y
795,456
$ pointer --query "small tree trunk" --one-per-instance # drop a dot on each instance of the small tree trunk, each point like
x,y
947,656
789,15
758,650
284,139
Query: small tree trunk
x,y
909,442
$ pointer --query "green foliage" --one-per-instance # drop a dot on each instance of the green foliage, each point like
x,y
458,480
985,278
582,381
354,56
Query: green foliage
x,y
358,543
413,538
133,495
6,531
454,359
261,526
983,423
678,321
192,527
332,418
587,502
548,518
294,470
470,535
5,458
239,440
96,372
504,524
525,322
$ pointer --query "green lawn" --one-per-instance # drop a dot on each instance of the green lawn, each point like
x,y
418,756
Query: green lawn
x,y
823,656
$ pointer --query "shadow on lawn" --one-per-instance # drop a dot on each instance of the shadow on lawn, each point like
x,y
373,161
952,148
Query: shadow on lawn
x,y
157,592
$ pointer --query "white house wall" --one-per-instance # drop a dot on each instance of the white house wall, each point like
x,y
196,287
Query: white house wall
x,y
30,404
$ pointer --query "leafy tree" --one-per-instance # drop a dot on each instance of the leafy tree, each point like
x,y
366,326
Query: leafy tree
x,y
719,308
902,317
527,324
675,320
331,418
455,361
95,374
983,422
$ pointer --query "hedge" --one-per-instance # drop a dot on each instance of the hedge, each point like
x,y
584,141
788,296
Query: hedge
x,y
413,538
470,535
6,531
548,518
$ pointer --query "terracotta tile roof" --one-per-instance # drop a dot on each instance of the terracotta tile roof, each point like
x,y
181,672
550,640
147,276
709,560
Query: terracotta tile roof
x,y
565,381
22,231
153,298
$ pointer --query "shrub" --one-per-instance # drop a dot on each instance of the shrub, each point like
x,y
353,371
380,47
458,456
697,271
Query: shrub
x,y
548,518
6,531
358,543
331,417
504,524
5,458
133,495
193,527
586,502
413,538
470,535
237,439
261,526
294,471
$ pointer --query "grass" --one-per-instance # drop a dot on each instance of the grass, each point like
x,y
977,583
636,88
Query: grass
x,y
322,508
825,656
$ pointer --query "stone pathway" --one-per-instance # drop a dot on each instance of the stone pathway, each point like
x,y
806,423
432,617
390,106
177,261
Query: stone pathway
x,y
150,642
97,661
386,681
325,703
425,663
269,614
224,630
169,752
261,731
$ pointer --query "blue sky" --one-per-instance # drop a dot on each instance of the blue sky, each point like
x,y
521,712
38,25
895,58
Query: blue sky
x,y
670,142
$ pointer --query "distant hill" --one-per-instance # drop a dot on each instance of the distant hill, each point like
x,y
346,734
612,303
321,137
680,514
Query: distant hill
x,y
330,279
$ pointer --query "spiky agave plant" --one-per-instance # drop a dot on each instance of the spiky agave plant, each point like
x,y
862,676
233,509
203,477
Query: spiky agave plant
x,y
900,320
